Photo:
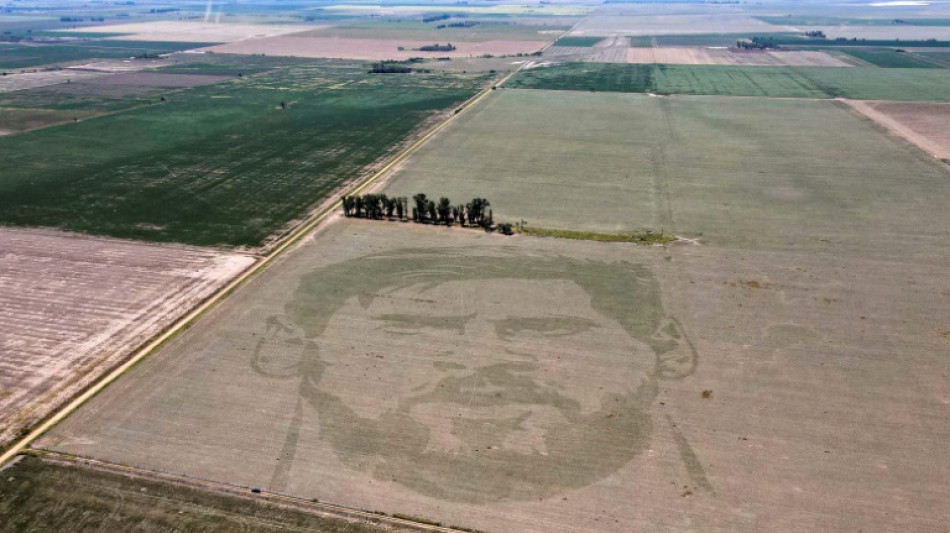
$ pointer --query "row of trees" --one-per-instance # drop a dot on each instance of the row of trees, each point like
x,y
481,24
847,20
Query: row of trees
x,y
757,43
424,210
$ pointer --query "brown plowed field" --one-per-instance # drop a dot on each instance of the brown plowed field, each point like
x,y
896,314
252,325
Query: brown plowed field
x,y
373,49
925,124
721,56
74,305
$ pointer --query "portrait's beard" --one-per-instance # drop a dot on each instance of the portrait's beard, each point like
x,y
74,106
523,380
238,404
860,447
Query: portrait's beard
x,y
511,438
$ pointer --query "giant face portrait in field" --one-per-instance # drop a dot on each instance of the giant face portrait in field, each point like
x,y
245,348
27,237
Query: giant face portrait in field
x,y
479,378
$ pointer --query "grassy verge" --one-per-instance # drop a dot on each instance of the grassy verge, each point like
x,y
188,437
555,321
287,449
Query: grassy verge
x,y
36,495
637,237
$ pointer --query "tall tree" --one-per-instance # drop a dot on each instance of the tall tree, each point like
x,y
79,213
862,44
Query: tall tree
x,y
421,204
445,210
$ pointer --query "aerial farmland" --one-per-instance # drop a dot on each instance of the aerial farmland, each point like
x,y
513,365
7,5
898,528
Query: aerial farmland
x,y
532,267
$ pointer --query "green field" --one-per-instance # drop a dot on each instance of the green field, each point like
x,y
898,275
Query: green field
x,y
940,58
578,41
787,82
36,495
709,39
589,162
16,56
844,42
15,120
889,58
222,164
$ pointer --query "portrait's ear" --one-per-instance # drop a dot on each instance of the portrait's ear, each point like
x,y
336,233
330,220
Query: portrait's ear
x,y
279,352
675,356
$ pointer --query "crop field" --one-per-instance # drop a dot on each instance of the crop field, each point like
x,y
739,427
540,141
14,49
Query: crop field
x,y
899,31
605,50
708,39
728,80
371,49
14,120
577,41
582,161
159,79
186,31
74,306
18,56
819,20
889,58
610,24
42,495
717,56
410,30
220,164
940,58
924,124
463,378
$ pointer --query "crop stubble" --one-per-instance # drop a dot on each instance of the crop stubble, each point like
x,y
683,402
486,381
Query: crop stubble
x,y
817,363
74,306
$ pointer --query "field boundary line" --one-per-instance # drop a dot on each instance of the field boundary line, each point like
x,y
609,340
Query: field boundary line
x,y
863,107
291,238
278,499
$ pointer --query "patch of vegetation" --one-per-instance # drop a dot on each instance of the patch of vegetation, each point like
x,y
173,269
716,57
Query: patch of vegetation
x,y
424,211
447,47
16,56
639,238
222,164
617,77
578,41
891,58
914,84
37,495
708,39
801,40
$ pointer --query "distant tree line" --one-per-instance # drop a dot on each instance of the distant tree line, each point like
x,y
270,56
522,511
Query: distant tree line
x,y
448,47
817,34
433,18
757,43
463,24
397,66
80,19
423,210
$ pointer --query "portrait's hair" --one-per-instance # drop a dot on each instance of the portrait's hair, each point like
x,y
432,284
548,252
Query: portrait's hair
x,y
626,292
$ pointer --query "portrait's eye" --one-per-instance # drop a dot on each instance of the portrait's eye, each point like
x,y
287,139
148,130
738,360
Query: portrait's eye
x,y
405,324
555,326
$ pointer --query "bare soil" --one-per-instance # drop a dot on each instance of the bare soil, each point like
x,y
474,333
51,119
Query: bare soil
x,y
73,306
925,124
